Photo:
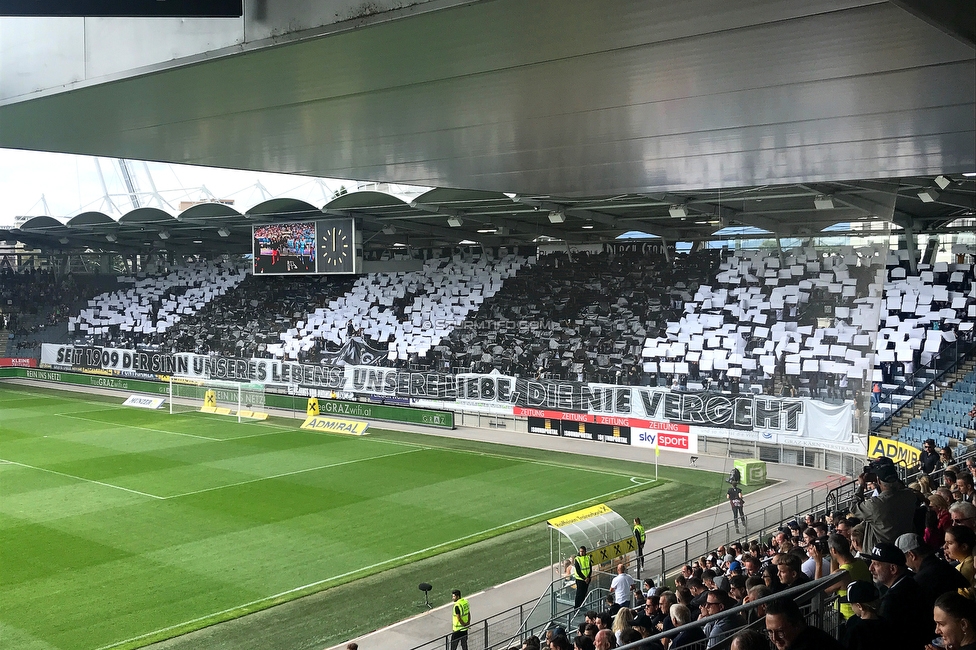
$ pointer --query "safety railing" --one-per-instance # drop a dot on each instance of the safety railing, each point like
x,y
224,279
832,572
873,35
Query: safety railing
x,y
944,362
816,605
550,609
663,561
499,630
842,497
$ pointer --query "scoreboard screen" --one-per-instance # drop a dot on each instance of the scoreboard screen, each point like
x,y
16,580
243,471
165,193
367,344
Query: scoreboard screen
x,y
305,247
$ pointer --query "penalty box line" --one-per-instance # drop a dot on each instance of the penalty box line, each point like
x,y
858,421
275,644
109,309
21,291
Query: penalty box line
x,y
395,561
532,461
210,489
80,478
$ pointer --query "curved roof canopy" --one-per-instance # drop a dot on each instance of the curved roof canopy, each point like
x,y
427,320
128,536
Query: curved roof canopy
x,y
445,217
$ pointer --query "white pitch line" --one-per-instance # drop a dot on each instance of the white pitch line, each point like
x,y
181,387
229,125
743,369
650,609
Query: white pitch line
x,y
81,478
532,461
292,473
132,426
377,565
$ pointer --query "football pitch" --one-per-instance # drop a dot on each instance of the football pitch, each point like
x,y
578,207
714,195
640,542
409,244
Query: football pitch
x,y
122,526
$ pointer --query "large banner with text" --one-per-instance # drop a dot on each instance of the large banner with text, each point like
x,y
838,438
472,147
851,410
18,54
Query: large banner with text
x,y
792,421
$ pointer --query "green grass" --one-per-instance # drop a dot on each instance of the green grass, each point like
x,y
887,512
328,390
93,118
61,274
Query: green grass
x,y
122,526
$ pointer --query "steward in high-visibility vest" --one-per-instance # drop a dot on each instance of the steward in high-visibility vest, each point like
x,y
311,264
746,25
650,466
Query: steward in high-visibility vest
x,y
641,537
461,620
582,572
312,408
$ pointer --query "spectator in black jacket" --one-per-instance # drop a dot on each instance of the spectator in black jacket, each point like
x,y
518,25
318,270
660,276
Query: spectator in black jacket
x,y
903,605
933,575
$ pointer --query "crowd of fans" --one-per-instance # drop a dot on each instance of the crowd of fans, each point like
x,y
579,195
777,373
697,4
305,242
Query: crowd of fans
x,y
579,316
35,300
907,550
612,317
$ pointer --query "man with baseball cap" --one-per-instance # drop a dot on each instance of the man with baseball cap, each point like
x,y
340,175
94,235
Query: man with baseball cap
x,y
865,628
903,605
933,575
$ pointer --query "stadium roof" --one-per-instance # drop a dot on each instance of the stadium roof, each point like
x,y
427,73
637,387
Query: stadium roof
x,y
565,99
445,217
575,120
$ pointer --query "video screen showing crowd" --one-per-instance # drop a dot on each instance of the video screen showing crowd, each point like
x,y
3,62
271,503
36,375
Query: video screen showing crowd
x,y
283,249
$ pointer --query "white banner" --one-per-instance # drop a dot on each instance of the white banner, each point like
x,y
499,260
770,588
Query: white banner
x,y
143,402
792,421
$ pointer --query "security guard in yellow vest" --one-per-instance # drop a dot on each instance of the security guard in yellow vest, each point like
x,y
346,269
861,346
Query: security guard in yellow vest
x,y
461,618
641,537
582,573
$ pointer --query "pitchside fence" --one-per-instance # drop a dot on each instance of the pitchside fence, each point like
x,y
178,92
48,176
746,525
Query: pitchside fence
x,y
502,630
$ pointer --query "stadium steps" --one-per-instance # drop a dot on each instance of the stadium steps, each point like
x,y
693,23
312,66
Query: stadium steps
x,y
4,342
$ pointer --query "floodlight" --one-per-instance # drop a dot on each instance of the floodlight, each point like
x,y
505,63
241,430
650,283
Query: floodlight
x,y
678,211
823,202
111,238
224,232
942,181
557,216
64,240
389,229
454,222
588,225
164,234
488,229
928,195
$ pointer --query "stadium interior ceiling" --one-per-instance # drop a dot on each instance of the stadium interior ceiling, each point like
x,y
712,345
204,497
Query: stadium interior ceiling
x,y
573,121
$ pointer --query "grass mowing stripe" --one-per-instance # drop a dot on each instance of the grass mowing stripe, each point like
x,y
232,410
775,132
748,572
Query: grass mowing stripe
x,y
80,478
130,426
292,473
533,461
261,603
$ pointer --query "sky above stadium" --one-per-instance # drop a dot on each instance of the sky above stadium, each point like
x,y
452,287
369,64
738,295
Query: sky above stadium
x,y
35,183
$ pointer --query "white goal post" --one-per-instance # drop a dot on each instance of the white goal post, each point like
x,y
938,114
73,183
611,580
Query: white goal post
x,y
242,400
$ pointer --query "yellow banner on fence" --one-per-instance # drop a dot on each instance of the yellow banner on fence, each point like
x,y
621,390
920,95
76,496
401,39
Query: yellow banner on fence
x,y
334,425
613,550
900,452
579,515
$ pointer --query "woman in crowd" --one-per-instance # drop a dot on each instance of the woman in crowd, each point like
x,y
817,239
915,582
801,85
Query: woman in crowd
x,y
955,622
771,578
937,521
622,621
959,543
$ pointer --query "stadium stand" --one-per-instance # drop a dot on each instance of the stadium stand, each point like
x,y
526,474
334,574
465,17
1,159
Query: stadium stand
x,y
752,321
35,304
250,317
152,305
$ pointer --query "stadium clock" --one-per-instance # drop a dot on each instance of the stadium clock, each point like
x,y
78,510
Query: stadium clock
x,y
335,246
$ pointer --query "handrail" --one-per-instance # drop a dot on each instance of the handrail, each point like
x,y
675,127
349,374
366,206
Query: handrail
x,y
839,497
959,358
802,502
799,592
662,559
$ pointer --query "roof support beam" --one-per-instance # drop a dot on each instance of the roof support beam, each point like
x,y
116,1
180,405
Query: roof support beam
x,y
664,232
957,19
881,204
